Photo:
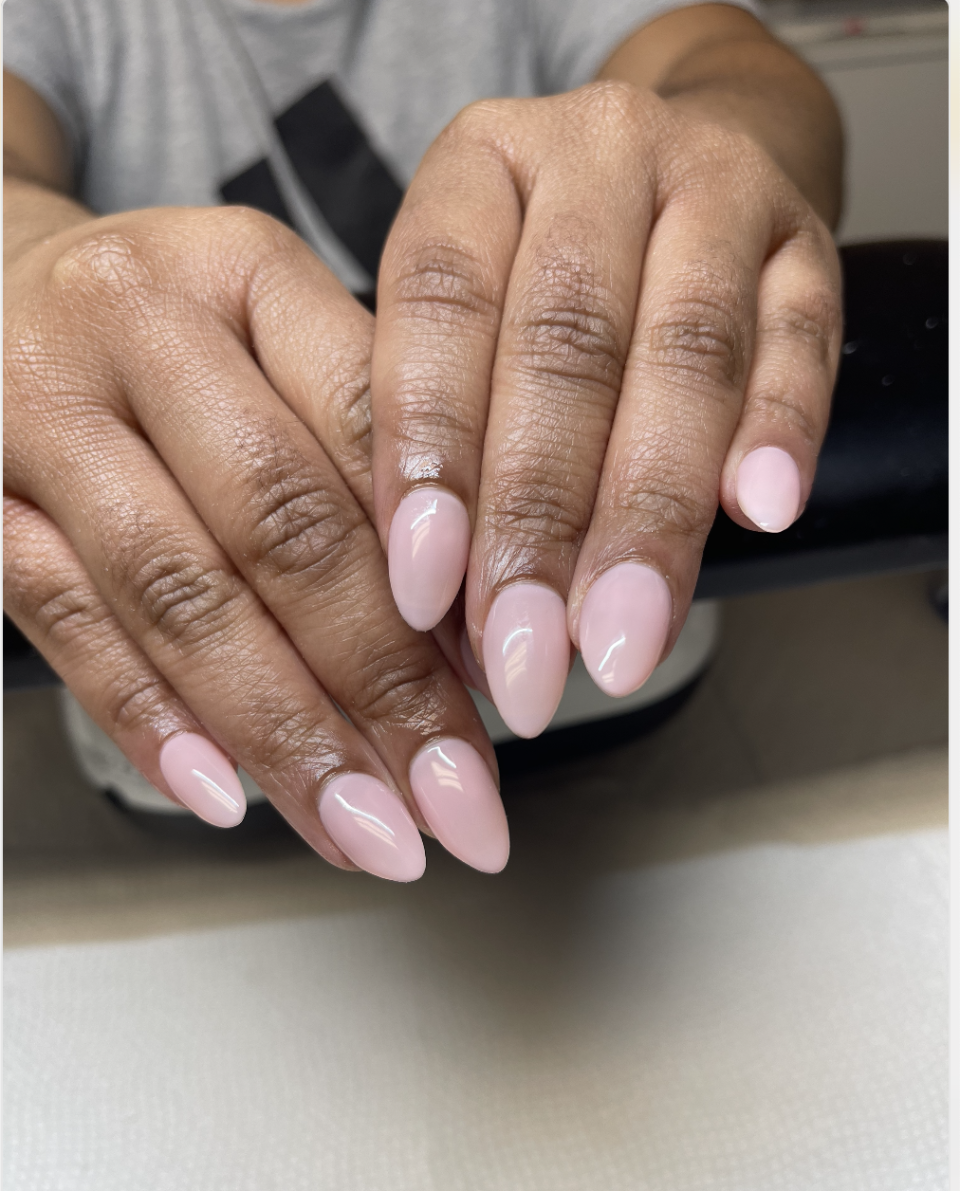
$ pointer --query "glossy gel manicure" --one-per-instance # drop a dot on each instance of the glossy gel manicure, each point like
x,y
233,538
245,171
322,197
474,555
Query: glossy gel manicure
x,y
476,677
427,553
526,655
457,796
768,488
624,623
203,779
368,822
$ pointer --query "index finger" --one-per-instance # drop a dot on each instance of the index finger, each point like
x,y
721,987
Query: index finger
x,y
439,303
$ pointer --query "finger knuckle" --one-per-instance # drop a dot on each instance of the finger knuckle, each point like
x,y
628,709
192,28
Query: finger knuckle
x,y
445,284
134,703
479,121
433,425
64,615
813,319
299,526
700,336
785,408
667,509
572,345
706,159
350,423
538,511
245,228
614,103
284,736
185,601
110,263
570,329
399,690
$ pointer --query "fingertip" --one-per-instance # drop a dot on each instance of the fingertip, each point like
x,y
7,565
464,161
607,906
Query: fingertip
x,y
203,778
624,624
370,825
428,546
768,488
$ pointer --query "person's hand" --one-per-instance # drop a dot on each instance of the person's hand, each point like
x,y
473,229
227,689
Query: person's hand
x,y
187,538
597,316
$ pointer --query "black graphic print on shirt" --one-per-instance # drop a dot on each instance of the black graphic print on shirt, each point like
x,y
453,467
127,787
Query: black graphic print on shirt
x,y
352,188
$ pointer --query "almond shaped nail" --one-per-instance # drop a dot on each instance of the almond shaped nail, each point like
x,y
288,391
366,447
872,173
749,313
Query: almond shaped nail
x,y
368,822
526,655
477,678
624,622
427,551
203,779
457,796
768,488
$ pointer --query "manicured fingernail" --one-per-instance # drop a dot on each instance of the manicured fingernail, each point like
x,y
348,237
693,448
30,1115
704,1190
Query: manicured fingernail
x,y
456,793
370,823
624,623
427,554
526,655
203,779
768,488
478,680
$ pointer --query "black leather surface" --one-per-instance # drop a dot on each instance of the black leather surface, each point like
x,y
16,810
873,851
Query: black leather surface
x,y
879,502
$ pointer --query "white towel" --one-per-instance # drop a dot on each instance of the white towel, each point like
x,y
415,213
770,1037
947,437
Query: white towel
x,y
768,1019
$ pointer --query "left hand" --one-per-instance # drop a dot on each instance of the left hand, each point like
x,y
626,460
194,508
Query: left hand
x,y
598,316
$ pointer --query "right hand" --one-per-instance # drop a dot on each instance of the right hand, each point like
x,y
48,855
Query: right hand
x,y
188,542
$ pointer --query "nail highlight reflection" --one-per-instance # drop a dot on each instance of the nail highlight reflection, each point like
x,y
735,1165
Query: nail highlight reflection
x,y
768,488
203,778
624,623
368,822
526,655
427,554
457,796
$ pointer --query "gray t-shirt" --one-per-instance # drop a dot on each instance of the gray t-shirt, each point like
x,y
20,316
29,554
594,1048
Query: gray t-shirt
x,y
318,112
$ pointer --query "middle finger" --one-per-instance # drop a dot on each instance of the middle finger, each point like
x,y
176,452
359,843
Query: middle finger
x,y
556,382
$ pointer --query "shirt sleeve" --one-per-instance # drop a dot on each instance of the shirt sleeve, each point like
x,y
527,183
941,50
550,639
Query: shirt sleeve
x,y
40,47
576,37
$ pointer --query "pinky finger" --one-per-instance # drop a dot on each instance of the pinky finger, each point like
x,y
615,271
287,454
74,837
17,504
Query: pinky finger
x,y
54,603
769,468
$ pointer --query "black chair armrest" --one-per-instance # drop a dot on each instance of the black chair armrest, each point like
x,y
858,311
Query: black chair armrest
x,y
879,501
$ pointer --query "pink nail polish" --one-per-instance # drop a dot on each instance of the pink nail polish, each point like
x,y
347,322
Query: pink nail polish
x,y
526,655
427,554
768,488
624,623
478,680
203,779
369,822
456,793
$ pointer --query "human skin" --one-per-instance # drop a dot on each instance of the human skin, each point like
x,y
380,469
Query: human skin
x,y
600,314
189,503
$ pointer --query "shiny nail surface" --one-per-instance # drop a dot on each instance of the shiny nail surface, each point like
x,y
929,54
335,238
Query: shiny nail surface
x,y
624,623
768,488
526,655
368,821
427,554
478,680
203,779
459,800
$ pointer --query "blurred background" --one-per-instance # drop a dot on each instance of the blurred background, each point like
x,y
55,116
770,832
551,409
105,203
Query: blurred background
x,y
717,958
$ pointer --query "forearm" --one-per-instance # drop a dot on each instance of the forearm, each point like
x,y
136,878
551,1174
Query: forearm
x,y
720,64
33,213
